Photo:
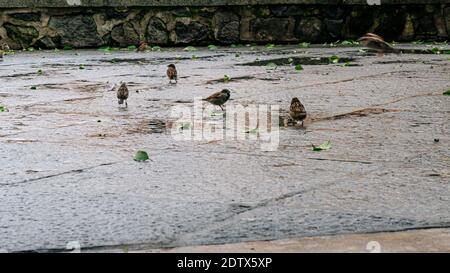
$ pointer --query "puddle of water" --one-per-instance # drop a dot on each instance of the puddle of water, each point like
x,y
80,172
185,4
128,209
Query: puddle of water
x,y
299,60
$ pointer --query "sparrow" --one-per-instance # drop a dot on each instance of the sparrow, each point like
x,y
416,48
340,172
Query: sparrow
x,y
143,46
172,73
377,43
4,46
219,98
3,49
122,94
297,110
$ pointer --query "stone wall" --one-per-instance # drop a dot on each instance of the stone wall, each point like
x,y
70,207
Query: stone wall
x,y
180,25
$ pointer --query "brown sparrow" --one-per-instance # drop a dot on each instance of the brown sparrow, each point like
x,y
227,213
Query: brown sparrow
x,y
122,94
297,110
172,73
219,98
377,43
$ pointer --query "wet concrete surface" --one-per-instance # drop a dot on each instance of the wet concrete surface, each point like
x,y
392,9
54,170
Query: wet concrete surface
x,y
66,148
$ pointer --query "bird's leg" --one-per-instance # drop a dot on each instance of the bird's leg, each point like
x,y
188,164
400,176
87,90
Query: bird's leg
x,y
221,107
126,104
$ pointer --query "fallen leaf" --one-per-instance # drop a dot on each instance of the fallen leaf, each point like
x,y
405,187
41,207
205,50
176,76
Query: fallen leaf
x,y
298,67
322,147
141,156
190,48
212,47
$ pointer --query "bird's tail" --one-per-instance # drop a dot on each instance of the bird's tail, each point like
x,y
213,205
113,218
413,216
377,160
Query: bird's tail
x,y
120,101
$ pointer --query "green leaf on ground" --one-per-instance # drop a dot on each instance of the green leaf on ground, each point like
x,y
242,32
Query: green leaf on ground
x,y
435,50
304,45
333,59
194,57
156,48
190,48
447,93
33,88
299,67
226,78
212,47
322,147
349,42
105,49
39,72
66,47
185,126
30,49
290,60
82,67
253,131
3,109
270,46
272,65
141,156
132,48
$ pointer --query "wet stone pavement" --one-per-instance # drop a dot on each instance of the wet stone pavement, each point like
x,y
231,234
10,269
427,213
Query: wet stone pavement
x,y
66,149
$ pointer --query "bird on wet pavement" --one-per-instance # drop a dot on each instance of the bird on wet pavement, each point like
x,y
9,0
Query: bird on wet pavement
x,y
378,44
219,98
172,73
143,46
297,110
122,94
3,49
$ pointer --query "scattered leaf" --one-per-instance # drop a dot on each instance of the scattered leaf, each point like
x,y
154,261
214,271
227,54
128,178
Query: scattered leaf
x,y
349,42
132,48
156,48
105,49
212,47
226,79
185,126
141,156
333,59
30,49
322,147
435,50
82,67
299,67
237,55
33,88
270,46
39,72
66,47
272,65
290,60
194,57
304,45
253,131
190,48
447,93
3,109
